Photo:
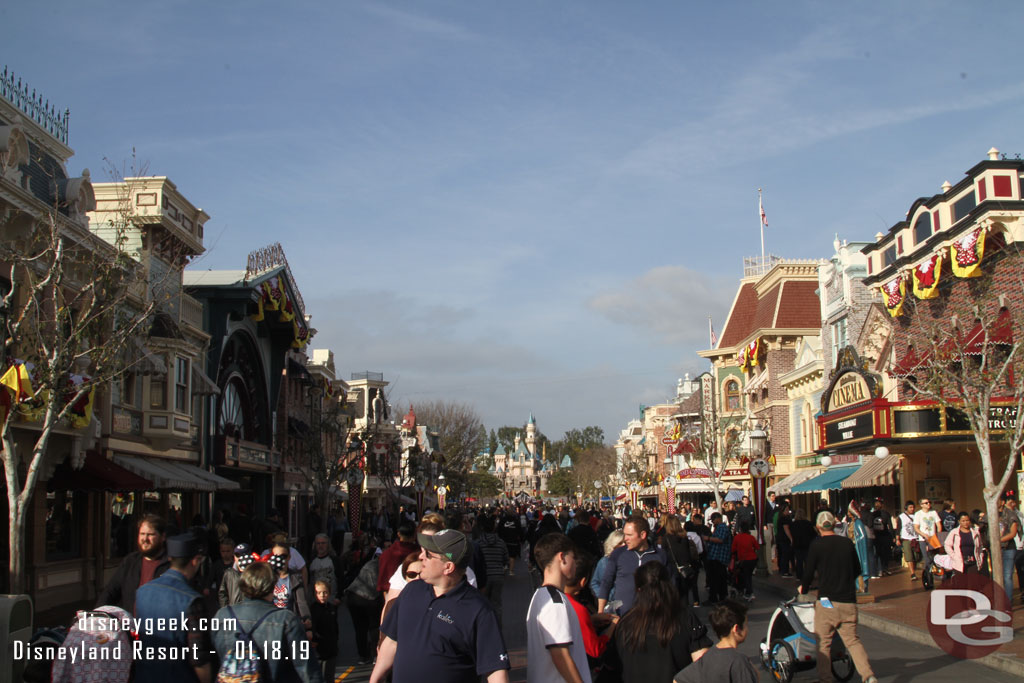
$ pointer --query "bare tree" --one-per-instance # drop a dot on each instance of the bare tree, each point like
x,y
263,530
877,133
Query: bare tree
x,y
326,455
75,304
459,434
711,447
596,463
970,365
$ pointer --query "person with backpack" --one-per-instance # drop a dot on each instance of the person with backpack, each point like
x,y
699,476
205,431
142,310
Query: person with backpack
x,y
268,643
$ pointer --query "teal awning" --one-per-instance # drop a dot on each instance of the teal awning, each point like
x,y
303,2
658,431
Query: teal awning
x,y
826,481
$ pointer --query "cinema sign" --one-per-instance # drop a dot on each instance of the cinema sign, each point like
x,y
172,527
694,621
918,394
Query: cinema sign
x,y
851,388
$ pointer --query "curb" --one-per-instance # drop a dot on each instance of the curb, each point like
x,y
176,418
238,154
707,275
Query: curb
x,y
1007,663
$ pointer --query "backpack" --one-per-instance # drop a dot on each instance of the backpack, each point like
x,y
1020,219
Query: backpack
x,y
244,667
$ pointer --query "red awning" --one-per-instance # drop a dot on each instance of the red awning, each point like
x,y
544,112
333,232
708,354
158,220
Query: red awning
x,y
97,474
685,446
1000,332
910,361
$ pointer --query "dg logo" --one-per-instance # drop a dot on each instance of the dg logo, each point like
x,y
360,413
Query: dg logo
x,y
970,616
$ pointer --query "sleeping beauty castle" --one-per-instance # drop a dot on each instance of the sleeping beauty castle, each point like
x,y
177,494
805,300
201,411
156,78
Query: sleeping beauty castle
x,y
524,470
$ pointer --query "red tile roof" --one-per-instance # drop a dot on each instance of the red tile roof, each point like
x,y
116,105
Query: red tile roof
x,y
788,305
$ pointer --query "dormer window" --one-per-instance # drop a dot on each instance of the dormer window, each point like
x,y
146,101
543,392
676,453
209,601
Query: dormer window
x,y
963,206
922,227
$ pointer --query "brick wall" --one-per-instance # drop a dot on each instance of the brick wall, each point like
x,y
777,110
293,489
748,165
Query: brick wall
x,y
1004,277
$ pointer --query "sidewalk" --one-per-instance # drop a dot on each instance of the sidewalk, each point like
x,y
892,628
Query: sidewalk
x,y
901,609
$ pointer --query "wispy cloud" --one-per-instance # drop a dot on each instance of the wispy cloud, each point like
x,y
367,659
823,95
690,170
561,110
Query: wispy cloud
x,y
670,302
419,23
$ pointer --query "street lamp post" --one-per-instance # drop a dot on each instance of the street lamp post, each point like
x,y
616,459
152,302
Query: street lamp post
x,y
759,469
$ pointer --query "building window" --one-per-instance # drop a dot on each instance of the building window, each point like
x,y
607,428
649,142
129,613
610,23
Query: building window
x,y
839,338
732,395
130,388
963,206
65,524
158,393
889,256
181,377
923,228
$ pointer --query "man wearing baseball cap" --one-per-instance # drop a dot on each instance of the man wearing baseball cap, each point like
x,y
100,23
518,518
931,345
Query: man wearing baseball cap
x,y
160,604
834,559
441,624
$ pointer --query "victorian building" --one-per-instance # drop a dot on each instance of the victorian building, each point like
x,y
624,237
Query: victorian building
x,y
776,307
255,319
949,277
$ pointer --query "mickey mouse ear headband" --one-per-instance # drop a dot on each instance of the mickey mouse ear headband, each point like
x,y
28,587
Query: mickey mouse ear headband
x,y
278,562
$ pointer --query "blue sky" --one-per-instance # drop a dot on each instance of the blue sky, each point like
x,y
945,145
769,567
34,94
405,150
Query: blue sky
x,y
529,206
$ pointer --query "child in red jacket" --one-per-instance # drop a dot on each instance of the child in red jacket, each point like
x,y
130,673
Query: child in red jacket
x,y
744,552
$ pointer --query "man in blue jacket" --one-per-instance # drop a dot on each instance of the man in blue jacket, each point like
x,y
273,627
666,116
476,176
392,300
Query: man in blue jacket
x,y
624,561
171,646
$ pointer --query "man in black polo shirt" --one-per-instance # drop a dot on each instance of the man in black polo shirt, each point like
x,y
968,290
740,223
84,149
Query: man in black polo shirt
x,y
834,559
441,626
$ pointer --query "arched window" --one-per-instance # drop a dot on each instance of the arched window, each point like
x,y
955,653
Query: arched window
x,y
923,227
732,395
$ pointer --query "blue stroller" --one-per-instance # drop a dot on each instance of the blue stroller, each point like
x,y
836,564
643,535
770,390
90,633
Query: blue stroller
x,y
791,645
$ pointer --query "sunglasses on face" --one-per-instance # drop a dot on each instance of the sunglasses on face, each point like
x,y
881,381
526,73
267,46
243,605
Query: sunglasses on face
x,y
412,575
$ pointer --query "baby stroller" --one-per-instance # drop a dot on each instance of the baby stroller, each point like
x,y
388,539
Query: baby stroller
x,y
791,645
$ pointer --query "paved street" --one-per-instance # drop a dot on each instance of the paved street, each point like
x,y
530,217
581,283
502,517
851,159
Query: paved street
x,y
894,660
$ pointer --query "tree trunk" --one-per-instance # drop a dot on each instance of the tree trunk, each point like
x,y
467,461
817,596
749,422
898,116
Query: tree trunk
x,y
16,538
992,514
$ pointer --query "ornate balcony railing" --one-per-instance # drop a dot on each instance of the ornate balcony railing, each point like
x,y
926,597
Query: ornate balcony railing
x,y
34,107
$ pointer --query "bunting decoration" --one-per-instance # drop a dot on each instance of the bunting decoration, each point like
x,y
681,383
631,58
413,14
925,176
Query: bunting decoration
x,y
18,381
926,277
81,411
966,253
274,298
894,292
750,356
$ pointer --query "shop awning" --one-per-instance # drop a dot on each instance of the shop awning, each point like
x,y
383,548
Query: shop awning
x,y
693,486
648,491
874,472
734,496
202,385
756,383
828,480
1000,333
175,476
784,486
222,483
146,362
97,474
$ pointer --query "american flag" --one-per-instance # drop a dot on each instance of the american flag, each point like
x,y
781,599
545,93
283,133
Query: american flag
x,y
714,337
764,218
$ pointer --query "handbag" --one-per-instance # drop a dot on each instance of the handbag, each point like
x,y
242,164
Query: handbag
x,y
685,570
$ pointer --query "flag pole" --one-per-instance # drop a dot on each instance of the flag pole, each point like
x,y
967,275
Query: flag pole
x,y
760,207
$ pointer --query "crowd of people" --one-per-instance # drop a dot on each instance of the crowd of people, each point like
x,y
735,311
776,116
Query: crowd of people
x,y
614,598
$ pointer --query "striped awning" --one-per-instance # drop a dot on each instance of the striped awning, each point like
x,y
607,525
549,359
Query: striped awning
x,y
785,485
175,476
874,472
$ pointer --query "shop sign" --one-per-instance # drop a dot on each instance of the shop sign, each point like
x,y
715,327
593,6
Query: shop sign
x,y
697,472
707,393
837,459
851,389
1002,417
849,429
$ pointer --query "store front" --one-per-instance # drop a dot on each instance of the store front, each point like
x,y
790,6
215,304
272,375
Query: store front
x,y
907,450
